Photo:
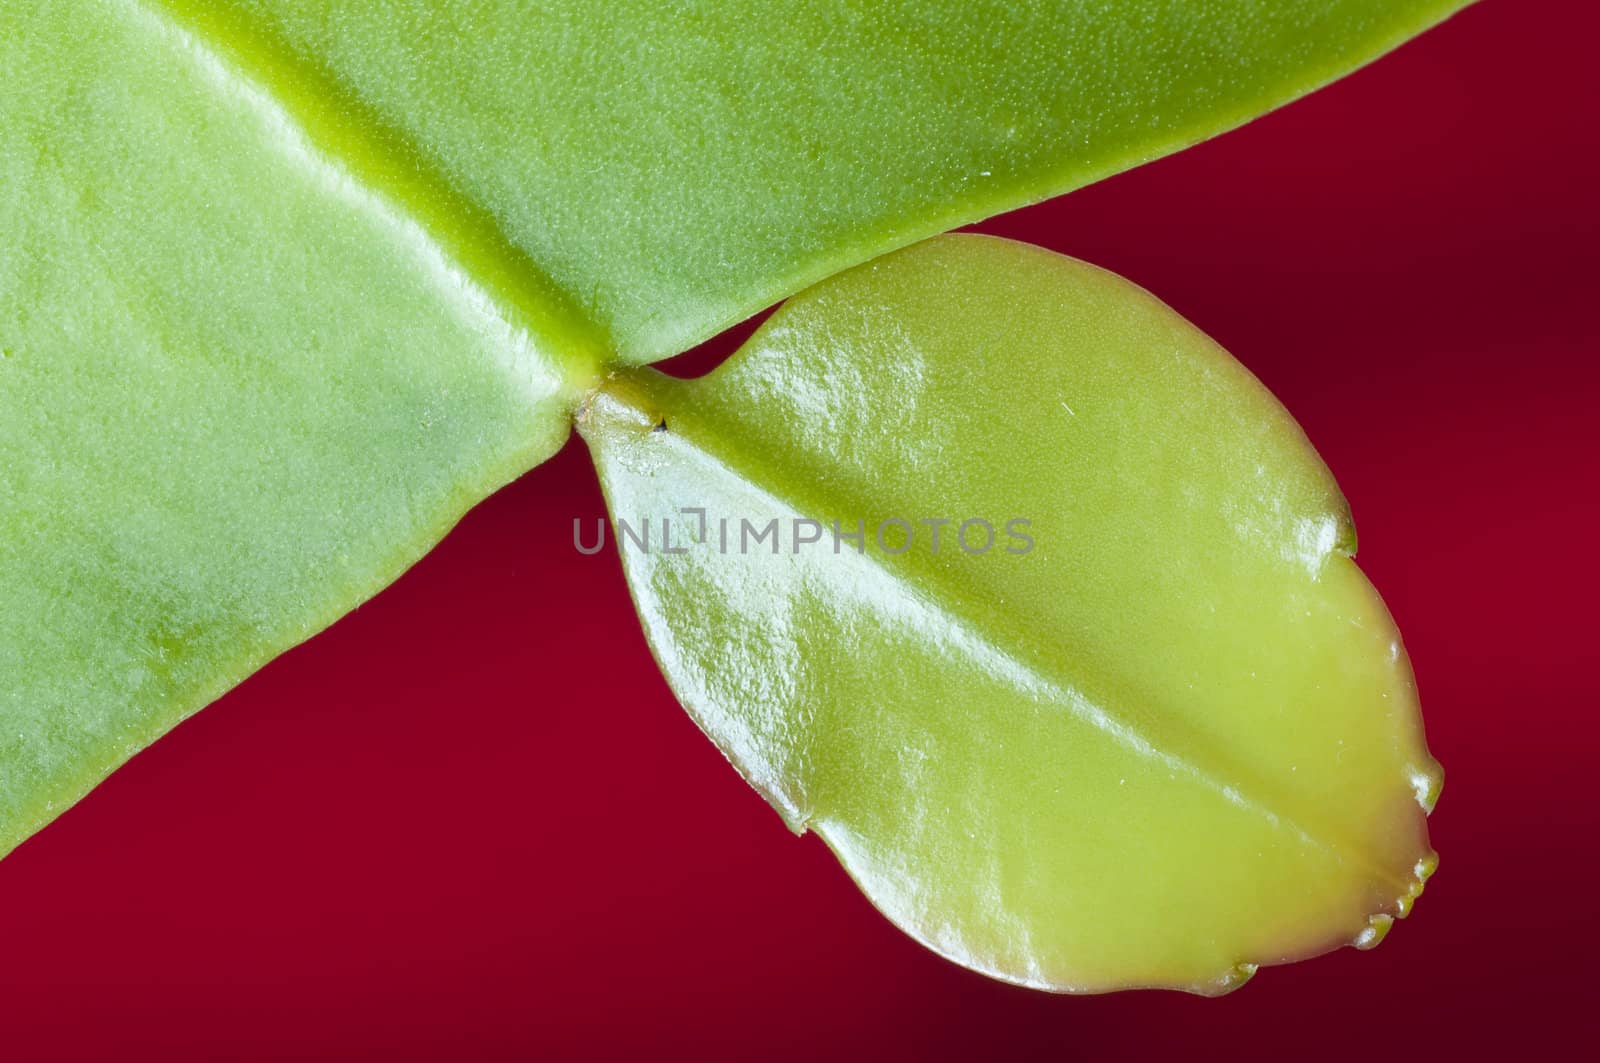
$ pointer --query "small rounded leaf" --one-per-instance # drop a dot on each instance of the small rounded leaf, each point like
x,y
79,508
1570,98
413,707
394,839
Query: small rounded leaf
x,y
1030,600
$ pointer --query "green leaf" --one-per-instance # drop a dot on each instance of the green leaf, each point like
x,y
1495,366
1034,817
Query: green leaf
x,y
671,168
240,393
1159,734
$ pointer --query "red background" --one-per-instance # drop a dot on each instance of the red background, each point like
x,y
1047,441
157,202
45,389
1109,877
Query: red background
x,y
471,820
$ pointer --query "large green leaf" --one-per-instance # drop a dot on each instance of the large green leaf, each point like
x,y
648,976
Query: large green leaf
x,y
671,168
1160,734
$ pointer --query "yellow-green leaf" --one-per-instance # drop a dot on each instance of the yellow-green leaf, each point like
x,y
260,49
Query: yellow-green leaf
x,y
1134,719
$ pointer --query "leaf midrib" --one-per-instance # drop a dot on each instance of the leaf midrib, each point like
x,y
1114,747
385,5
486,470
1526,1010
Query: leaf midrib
x,y
351,136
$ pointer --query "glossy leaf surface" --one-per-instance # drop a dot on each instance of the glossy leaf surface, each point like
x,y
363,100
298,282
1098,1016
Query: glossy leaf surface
x,y
239,393
1161,733
669,169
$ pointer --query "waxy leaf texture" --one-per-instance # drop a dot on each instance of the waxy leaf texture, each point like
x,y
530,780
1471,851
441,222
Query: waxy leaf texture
x,y
1130,716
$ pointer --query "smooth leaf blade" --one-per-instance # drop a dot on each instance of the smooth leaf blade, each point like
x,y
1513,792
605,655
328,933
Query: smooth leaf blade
x,y
1174,739
674,169
239,392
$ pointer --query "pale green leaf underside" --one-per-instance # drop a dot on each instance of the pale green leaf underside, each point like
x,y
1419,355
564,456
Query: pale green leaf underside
x,y
286,287
1175,739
